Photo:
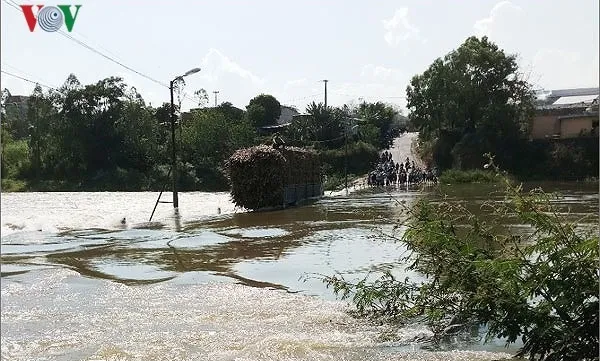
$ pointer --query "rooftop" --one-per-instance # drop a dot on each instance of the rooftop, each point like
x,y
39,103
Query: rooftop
x,y
567,98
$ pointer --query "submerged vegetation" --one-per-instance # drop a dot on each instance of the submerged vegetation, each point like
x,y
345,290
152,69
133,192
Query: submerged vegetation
x,y
455,176
540,286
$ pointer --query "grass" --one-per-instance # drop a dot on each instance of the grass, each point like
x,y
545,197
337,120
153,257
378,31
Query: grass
x,y
455,176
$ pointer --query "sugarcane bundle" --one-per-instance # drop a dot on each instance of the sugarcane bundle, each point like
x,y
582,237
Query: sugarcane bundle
x,y
259,174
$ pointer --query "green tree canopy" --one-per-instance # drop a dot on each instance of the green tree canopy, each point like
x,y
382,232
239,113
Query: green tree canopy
x,y
381,117
263,110
210,137
475,94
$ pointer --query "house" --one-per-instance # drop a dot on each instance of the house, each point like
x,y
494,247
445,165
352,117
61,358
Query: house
x,y
566,113
285,119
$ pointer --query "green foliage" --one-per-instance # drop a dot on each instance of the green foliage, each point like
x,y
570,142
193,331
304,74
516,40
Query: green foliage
x,y
230,112
263,110
327,125
474,93
361,156
381,117
13,185
103,136
541,285
15,156
208,139
455,176
562,159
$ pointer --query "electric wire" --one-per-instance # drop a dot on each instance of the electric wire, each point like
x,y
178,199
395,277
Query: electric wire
x,y
29,80
15,6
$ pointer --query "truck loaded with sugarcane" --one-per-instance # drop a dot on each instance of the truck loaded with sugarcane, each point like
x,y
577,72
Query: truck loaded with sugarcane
x,y
268,177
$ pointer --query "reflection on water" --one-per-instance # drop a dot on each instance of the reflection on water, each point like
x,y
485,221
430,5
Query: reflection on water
x,y
176,288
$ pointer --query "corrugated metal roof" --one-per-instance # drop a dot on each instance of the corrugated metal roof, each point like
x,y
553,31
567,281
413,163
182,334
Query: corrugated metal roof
x,y
575,99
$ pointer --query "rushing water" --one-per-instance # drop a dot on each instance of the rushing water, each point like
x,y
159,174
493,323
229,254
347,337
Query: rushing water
x,y
214,283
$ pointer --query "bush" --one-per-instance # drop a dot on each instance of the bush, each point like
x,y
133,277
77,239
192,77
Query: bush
x,y
361,157
455,176
15,159
541,286
468,152
13,185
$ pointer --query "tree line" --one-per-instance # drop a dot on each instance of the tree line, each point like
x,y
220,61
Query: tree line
x,y
104,136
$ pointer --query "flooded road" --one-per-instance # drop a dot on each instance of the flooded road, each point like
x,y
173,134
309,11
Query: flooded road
x,y
214,283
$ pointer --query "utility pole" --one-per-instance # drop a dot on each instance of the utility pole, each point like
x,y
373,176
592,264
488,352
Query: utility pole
x,y
325,81
216,92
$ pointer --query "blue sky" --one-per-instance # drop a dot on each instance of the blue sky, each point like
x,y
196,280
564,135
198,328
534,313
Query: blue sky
x,y
366,49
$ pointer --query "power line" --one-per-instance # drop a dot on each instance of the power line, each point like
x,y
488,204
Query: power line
x,y
72,32
83,44
23,72
302,98
28,80
111,59
370,96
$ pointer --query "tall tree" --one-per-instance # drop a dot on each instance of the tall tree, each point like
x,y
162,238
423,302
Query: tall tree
x,y
263,110
474,95
201,97
380,116
209,137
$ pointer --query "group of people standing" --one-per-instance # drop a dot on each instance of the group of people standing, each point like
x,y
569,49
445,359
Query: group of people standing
x,y
387,172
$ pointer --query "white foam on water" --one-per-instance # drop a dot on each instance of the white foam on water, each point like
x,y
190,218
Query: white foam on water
x,y
56,211
56,314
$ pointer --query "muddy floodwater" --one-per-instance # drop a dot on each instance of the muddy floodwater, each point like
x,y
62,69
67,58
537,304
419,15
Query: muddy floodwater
x,y
85,276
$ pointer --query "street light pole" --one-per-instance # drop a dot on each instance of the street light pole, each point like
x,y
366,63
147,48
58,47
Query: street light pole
x,y
346,152
346,156
174,153
173,145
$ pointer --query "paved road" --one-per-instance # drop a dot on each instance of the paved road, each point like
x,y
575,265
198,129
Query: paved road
x,y
401,148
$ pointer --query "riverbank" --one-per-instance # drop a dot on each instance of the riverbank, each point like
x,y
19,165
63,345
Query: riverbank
x,y
473,176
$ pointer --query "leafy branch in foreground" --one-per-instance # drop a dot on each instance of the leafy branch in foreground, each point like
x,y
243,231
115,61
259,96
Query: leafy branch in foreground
x,y
540,286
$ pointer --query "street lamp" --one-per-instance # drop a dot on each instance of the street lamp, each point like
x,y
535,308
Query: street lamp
x,y
174,158
346,153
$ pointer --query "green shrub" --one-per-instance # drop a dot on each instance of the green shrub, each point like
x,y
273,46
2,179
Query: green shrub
x,y
540,286
15,159
361,157
13,185
455,176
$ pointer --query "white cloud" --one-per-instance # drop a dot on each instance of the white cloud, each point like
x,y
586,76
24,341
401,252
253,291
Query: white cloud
x,y
381,73
216,65
503,12
355,92
399,28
